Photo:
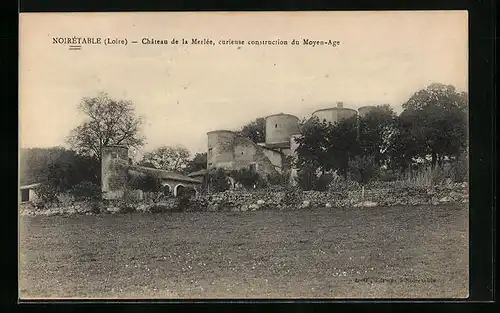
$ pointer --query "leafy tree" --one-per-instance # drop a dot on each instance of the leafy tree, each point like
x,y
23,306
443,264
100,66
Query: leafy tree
x,y
108,122
59,168
173,159
326,146
363,169
255,130
311,151
197,163
433,123
375,132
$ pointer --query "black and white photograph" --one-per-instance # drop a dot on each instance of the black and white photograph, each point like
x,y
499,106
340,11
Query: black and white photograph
x,y
243,155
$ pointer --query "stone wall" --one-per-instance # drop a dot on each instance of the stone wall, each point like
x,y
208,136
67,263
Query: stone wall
x,y
405,196
242,200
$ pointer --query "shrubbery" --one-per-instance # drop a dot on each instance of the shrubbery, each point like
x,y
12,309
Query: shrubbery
x,y
86,190
128,202
147,182
293,196
183,198
363,169
278,179
308,179
460,169
218,180
246,177
46,194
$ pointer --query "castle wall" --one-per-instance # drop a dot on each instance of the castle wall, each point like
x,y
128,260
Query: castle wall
x,y
232,152
246,152
275,157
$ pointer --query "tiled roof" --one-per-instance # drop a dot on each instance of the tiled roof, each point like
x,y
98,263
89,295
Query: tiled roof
x,y
198,173
30,186
165,174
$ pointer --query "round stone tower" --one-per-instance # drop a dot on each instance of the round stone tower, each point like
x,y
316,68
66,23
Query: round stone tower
x,y
279,130
220,148
114,161
334,115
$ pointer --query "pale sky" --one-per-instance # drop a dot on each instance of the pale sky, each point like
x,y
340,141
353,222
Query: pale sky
x,y
185,91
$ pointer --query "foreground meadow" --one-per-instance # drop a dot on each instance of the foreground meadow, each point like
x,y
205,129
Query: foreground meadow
x,y
394,252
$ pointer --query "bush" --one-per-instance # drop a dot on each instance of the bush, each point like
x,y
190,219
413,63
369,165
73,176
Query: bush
x,y
86,190
323,182
159,208
47,194
387,176
306,178
129,202
278,179
197,204
293,196
65,199
183,198
218,180
460,169
363,169
247,178
425,176
147,182
96,207
341,186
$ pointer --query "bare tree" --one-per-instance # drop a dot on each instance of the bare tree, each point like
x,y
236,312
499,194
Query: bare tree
x,y
109,122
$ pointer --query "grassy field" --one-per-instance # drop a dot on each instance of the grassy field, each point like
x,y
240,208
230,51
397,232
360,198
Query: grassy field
x,y
392,252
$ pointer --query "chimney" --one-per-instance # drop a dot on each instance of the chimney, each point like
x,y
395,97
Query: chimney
x,y
340,105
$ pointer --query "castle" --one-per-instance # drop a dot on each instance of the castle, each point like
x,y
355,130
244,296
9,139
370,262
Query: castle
x,y
227,150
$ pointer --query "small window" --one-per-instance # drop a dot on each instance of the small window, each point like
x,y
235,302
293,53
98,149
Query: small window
x,y
210,151
114,155
241,152
275,125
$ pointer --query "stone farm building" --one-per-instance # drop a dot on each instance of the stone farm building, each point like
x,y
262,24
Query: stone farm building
x,y
28,193
115,172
